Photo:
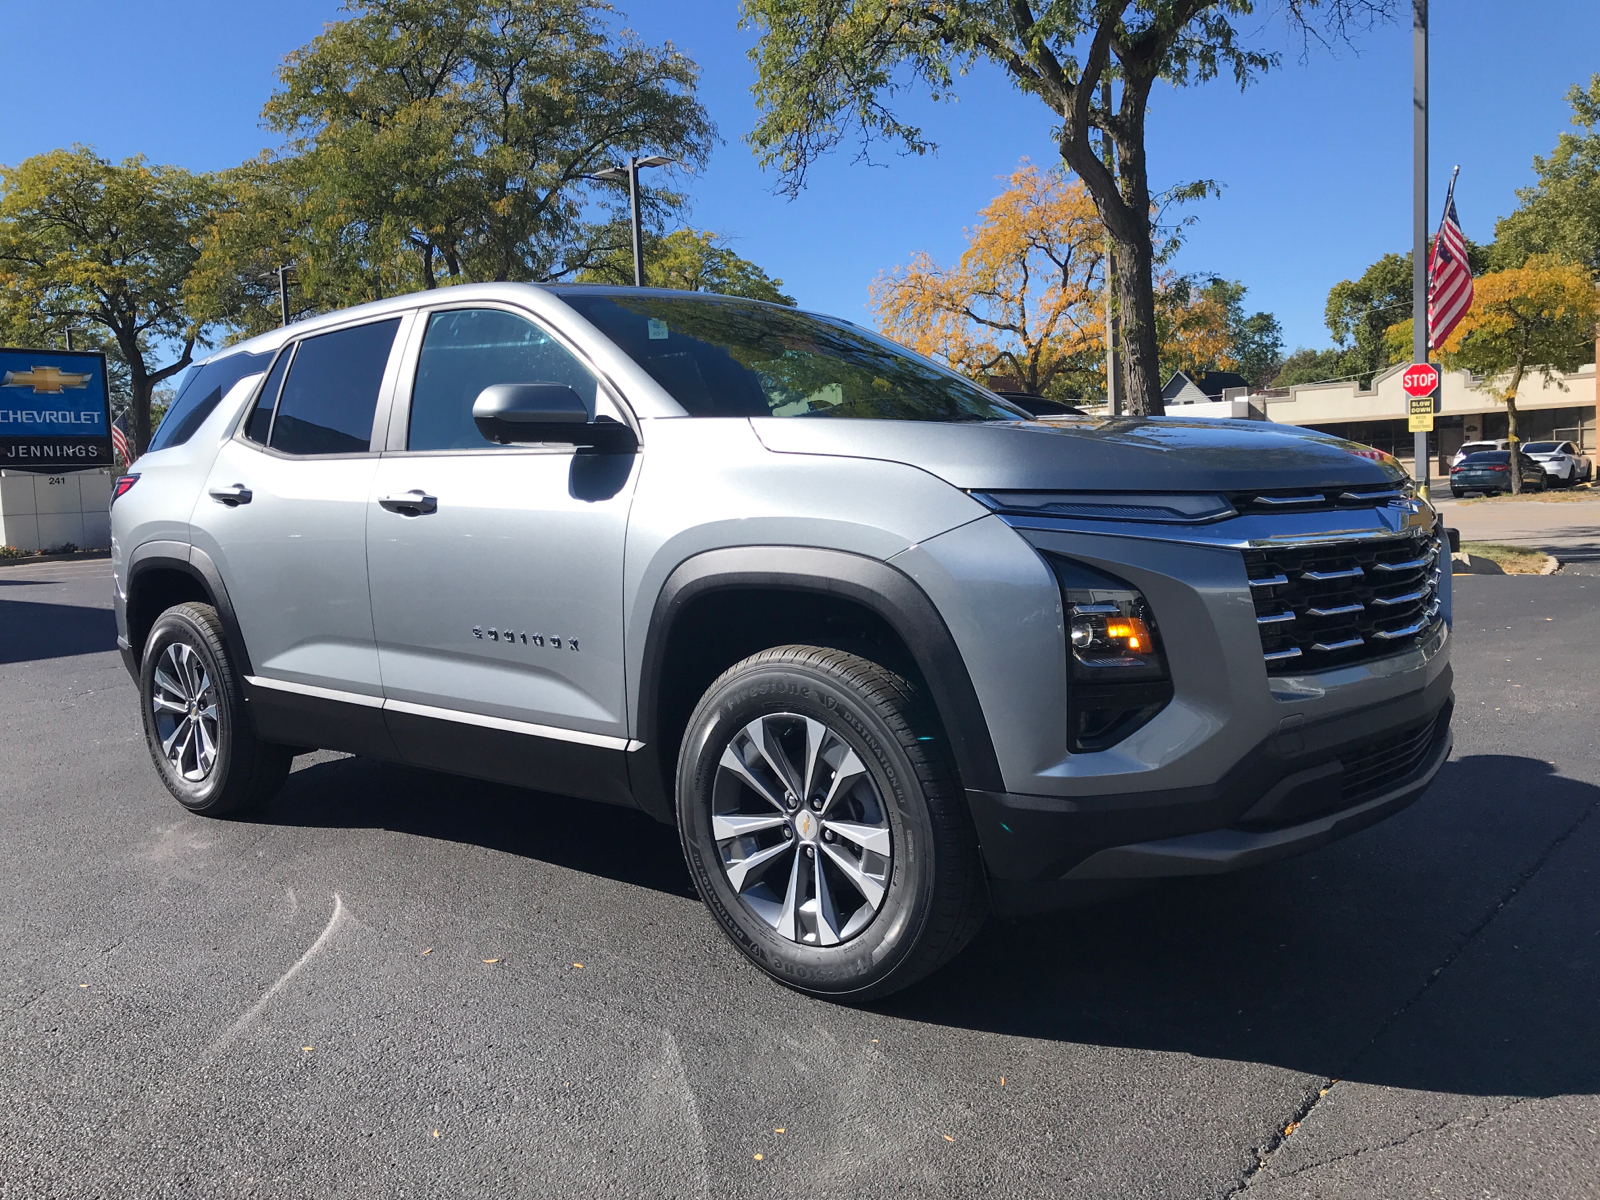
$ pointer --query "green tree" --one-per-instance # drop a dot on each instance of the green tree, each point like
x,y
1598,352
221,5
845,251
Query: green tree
x,y
1314,366
830,68
689,262
1560,214
449,141
88,242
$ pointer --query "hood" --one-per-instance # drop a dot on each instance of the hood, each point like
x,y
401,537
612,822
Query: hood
x,y
1123,454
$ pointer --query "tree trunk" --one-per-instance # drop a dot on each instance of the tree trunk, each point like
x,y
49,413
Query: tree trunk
x,y
1141,357
1511,426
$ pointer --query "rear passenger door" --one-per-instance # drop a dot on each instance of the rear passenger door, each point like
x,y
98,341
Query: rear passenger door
x,y
284,518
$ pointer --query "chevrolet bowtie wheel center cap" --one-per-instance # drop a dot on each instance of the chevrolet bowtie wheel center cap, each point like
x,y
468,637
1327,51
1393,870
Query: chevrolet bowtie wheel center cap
x,y
807,826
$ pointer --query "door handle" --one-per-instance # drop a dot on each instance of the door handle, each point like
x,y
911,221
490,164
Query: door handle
x,y
409,504
233,495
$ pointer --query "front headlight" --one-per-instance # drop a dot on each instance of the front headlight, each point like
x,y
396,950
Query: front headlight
x,y
1118,675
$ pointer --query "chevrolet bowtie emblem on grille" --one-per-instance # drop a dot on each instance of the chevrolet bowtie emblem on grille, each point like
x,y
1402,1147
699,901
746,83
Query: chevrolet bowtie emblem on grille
x,y
48,380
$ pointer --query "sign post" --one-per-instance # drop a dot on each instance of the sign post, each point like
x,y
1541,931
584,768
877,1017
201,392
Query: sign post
x,y
55,411
1419,214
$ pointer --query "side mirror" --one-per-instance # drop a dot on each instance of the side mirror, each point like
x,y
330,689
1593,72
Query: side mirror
x,y
511,413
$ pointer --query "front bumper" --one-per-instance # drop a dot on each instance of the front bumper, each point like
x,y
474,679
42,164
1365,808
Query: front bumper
x,y
1293,792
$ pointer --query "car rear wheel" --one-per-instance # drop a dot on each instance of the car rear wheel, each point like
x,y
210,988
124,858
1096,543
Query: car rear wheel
x,y
824,824
195,725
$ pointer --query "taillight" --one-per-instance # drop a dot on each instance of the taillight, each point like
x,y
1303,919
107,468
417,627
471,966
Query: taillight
x,y
1499,468
123,483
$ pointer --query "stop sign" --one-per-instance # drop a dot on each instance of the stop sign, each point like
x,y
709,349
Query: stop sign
x,y
1420,379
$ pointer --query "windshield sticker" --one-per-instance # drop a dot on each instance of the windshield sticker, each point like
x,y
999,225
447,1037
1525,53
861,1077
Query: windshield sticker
x,y
658,330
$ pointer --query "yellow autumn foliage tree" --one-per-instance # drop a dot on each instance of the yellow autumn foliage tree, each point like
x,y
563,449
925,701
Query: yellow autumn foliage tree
x,y
1024,301
1537,317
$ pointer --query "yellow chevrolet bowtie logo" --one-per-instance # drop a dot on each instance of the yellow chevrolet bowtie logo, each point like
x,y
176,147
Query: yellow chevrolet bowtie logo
x,y
45,379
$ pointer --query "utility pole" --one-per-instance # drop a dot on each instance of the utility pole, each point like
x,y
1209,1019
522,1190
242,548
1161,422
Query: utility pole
x,y
69,339
283,293
1113,358
1419,216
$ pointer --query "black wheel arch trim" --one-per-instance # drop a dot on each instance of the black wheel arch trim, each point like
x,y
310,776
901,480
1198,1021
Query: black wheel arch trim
x,y
876,586
198,565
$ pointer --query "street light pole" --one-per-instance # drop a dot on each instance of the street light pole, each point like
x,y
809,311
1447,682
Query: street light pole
x,y
283,294
631,174
1419,217
638,229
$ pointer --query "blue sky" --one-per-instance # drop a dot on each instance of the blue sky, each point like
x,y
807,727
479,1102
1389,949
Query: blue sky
x,y
1315,161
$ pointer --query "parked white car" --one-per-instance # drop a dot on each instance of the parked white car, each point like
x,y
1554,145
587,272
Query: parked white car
x,y
1563,465
1478,448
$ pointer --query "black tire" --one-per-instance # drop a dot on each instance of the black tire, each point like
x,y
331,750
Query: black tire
x,y
933,898
244,771
1457,494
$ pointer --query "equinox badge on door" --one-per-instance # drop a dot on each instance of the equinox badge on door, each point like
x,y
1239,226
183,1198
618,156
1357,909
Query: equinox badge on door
x,y
528,639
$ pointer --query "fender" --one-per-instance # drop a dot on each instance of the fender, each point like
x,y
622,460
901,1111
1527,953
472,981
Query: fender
x,y
197,564
869,582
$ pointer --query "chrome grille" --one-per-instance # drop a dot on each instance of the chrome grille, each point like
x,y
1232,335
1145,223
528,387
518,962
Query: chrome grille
x,y
1334,604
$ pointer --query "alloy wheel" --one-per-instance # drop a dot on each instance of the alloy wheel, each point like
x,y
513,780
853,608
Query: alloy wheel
x,y
801,829
184,702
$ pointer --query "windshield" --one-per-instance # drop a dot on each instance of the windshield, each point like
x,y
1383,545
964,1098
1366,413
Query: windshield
x,y
1488,456
720,357
1540,447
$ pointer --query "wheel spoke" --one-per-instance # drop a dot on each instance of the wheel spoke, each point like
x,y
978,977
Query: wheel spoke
x,y
791,897
871,889
171,739
731,761
206,751
850,769
725,826
168,684
739,872
816,736
756,731
868,837
827,919
162,704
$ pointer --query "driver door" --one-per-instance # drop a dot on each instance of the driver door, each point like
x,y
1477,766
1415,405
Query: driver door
x,y
496,571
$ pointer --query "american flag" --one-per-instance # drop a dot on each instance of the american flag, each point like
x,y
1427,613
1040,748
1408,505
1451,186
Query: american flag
x,y
1449,276
119,439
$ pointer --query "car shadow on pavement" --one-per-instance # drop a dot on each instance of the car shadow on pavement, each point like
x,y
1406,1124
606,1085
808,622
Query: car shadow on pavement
x,y
31,630
1439,951
597,839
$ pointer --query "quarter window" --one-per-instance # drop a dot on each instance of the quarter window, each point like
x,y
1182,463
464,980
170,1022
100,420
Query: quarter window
x,y
328,400
465,351
202,390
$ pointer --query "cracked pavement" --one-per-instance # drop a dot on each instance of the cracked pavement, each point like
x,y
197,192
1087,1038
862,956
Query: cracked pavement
x,y
373,987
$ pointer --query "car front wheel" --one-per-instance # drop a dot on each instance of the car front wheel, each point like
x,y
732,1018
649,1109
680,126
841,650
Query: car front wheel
x,y
195,724
824,824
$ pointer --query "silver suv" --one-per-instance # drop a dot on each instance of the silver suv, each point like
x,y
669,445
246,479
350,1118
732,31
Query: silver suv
x,y
889,652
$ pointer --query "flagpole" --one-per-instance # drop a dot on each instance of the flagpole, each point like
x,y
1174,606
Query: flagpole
x,y
1419,214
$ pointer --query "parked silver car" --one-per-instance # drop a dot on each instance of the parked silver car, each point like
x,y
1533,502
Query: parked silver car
x,y
1563,464
888,651
1478,448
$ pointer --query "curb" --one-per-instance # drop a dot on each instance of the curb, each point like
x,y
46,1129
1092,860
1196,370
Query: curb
x,y
35,559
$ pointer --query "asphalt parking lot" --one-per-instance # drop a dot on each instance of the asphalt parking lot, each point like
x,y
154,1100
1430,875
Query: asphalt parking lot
x,y
394,983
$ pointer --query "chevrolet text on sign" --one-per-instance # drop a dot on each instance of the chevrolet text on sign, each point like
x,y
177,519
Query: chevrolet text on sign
x,y
54,410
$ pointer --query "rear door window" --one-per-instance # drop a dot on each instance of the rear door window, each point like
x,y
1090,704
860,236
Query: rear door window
x,y
202,390
331,392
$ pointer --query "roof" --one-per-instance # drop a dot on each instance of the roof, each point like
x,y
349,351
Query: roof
x,y
1212,383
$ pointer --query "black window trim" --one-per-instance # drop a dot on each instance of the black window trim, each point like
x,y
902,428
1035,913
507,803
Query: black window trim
x,y
400,410
386,388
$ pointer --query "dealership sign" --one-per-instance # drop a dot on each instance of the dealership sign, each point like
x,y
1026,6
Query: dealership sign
x,y
55,410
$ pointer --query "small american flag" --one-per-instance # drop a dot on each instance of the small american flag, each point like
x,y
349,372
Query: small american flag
x,y
119,439
1449,276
